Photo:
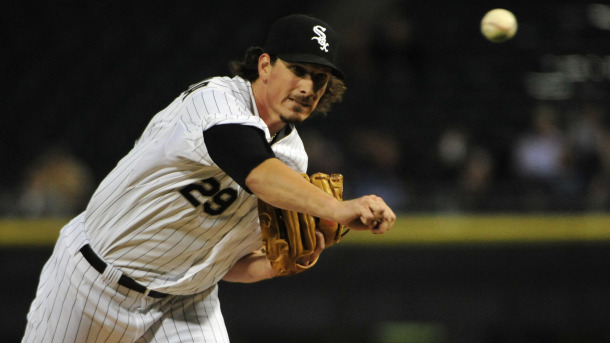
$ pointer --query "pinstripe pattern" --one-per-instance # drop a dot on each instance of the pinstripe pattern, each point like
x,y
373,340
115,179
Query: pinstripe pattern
x,y
75,303
140,223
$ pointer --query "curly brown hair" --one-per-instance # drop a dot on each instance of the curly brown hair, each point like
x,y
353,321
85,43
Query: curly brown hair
x,y
248,69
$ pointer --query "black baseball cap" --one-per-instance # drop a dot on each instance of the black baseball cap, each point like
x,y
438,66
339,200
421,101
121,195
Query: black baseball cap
x,y
304,39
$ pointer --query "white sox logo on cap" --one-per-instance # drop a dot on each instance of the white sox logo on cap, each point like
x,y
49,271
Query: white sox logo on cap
x,y
321,38
290,39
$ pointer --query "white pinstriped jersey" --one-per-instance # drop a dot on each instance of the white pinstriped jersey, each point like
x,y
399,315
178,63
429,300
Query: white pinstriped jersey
x,y
167,215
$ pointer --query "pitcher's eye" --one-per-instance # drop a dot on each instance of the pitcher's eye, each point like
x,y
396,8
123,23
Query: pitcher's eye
x,y
321,78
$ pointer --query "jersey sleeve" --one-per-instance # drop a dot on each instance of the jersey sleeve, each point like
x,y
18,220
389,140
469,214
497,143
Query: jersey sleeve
x,y
237,149
222,108
222,104
202,110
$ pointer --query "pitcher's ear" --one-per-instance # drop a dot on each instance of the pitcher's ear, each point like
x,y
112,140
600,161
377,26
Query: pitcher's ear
x,y
264,66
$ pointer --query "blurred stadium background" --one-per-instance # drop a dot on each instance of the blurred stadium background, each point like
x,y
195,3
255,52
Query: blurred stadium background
x,y
497,157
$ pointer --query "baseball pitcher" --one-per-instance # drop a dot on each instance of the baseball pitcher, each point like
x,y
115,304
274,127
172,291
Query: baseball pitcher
x,y
215,188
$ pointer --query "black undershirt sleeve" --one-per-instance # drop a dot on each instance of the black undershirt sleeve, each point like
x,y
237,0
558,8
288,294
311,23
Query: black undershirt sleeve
x,y
237,149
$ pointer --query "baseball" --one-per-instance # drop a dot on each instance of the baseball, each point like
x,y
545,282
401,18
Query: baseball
x,y
499,25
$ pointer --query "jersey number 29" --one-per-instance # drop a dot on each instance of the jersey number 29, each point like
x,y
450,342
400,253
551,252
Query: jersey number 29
x,y
220,199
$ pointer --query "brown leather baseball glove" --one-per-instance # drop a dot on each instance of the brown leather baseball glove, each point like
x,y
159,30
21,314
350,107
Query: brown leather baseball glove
x,y
289,237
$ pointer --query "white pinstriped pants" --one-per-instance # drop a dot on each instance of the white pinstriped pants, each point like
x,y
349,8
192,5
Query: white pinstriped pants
x,y
74,303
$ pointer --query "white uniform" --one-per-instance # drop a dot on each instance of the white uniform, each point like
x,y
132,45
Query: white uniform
x,y
169,218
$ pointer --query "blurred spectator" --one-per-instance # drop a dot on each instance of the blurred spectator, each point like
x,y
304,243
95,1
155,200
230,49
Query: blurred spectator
x,y
56,185
541,160
586,132
452,152
467,173
375,168
325,155
598,190
476,180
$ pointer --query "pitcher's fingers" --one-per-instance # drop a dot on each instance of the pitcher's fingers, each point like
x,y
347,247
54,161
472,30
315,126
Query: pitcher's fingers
x,y
382,226
320,242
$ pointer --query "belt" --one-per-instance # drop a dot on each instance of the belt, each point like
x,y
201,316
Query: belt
x,y
99,265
